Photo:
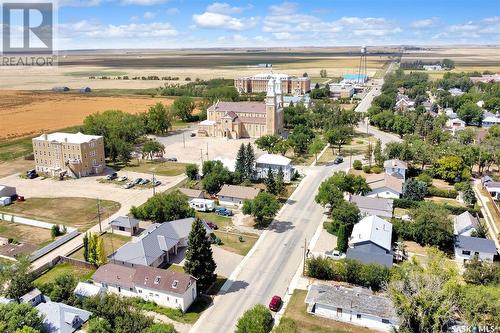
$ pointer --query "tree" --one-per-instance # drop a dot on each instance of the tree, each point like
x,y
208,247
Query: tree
x,y
346,213
342,238
280,182
214,176
199,258
414,189
160,328
369,154
328,194
449,167
300,138
470,113
240,165
99,325
101,252
158,119
93,239
164,207
249,162
432,226
61,290
270,182
479,305
16,280
339,136
268,142
469,195
481,272
192,171
315,147
152,147
27,329
377,153
15,317
263,206
86,247
255,320
183,108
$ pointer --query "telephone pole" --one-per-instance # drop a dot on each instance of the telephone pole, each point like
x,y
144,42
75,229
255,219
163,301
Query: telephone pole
x,y
305,256
99,214
153,184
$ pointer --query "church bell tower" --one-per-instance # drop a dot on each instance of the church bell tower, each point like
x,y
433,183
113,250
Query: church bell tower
x,y
271,108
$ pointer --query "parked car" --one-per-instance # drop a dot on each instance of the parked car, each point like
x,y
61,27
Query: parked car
x,y
338,160
223,211
212,225
122,178
144,181
137,181
30,174
128,185
112,176
156,182
193,134
275,303
171,159
334,254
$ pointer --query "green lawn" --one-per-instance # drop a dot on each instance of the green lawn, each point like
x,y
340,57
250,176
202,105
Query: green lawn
x,y
231,242
159,168
221,221
6,262
296,316
111,243
80,213
80,273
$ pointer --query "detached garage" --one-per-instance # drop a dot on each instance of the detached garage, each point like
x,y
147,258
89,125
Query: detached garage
x,y
7,191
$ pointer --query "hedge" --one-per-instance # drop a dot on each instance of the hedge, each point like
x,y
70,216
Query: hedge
x,y
406,203
437,192
454,210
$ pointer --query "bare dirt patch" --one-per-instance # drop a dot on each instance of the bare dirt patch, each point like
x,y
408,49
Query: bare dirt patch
x,y
30,238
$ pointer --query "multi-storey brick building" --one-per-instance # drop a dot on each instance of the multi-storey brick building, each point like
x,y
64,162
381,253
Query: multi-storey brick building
x,y
258,83
77,154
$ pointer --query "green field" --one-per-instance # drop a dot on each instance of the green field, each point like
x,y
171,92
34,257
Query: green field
x,y
80,273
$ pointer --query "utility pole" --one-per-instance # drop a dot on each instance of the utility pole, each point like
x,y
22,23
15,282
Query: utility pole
x,y
153,183
305,255
207,151
350,158
201,155
183,139
99,214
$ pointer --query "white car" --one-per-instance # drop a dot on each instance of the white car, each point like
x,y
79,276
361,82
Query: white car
x,y
122,178
128,185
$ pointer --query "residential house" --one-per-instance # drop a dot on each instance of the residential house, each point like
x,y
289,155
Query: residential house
x,y
455,92
62,318
192,193
396,168
403,103
493,189
455,124
165,288
380,207
371,242
355,306
464,224
156,245
84,290
125,225
467,247
274,162
235,195
490,119
385,186
432,67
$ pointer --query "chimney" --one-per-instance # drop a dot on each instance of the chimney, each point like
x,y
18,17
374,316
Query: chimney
x,y
45,137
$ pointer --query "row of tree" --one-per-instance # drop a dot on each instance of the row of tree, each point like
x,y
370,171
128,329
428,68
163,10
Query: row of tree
x,y
94,251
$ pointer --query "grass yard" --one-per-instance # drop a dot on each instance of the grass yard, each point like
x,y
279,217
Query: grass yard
x,y
80,213
231,242
5,262
296,315
159,168
304,159
449,201
80,273
22,233
111,243
221,221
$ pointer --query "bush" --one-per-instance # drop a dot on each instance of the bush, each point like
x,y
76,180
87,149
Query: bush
x,y
426,178
414,189
405,203
437,192
257,319
376,169
320,268
367,169
357,165
192,171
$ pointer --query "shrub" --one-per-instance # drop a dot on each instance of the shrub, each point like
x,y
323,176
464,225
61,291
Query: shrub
x,y
376,169
256,319
414,189
357,165
437,192
320,268
367,169
426,178
405,203
192,171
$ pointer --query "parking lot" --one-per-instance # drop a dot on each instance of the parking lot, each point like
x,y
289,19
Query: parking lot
x,y
190,149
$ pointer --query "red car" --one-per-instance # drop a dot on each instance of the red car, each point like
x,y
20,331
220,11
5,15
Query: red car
x,y
275,303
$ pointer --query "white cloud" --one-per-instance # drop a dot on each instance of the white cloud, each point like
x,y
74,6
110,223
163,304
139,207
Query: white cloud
x,y
78,3
142,2
149,15
285,8
488,27
219,21
233,38
109,31
225,8
173,11
423,24
284,36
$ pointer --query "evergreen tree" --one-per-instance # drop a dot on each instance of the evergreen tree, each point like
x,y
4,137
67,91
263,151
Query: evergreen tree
x,y
199,259
280,182
469,195
241,158
249,162
86,247
270,182
342,238
101,252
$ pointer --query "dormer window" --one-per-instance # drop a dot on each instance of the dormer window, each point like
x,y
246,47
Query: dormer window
x,y
175,283
157,280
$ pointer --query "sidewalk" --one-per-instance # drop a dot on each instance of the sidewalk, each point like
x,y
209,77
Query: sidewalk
x,y
488,216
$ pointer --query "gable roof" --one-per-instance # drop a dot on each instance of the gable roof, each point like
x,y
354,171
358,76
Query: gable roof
x,y
191,192
274,159
236,191
372,229
376,206
84,289
388,181
463,223
124,221
162,280
252,107
360,300
475,244
155,241
59,317
395,163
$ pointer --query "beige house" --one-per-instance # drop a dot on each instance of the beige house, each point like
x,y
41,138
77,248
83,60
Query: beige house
x,y
78,155
235,195
258,83
234,120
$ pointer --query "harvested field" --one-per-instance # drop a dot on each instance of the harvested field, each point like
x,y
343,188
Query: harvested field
x,y
24,113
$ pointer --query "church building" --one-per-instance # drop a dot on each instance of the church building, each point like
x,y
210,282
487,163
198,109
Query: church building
x,y
234,120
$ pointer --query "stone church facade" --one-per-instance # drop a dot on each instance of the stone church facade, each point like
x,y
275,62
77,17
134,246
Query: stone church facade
x,y
234,120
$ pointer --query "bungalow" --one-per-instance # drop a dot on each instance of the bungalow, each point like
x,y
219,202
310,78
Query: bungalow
x,y
385,186
404,103
165,288
490,119
235,195
396,168
156,245
380,207
467,247
192,194
62,318
493,189
274,162
125,225
355,306
455,124
464,224
371,241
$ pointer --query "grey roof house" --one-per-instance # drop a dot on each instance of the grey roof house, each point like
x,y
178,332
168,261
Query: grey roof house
x,y
464,224
373,206
156,244
467,247
356,306
62,318
125,225
371,241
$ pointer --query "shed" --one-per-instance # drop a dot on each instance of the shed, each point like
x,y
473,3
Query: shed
x,y
7,191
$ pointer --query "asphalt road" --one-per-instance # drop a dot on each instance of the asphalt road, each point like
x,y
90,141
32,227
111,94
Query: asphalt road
x,y
276,257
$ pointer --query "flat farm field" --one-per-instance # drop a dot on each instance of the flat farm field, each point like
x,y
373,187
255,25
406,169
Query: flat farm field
x,y
24,113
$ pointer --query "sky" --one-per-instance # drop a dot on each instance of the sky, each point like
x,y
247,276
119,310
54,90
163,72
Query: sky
x,y
98,24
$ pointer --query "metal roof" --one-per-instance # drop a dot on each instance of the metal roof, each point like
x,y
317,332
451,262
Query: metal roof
x,y
475,244
373,229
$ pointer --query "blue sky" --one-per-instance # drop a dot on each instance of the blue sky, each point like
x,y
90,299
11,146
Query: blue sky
x,y
183,23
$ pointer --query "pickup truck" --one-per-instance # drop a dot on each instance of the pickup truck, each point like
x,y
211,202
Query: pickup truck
x,y
223,211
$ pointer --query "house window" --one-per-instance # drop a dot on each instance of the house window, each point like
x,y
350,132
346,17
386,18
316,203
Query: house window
x,y
140,291
385,321
465,252
358,316
121,228
339,312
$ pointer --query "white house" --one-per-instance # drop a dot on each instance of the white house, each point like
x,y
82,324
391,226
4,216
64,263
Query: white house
x,y
464,224
357,306
125,225
274,162
396,168
385,186
467,247
165,288
433,67
235,195
490,119
455,124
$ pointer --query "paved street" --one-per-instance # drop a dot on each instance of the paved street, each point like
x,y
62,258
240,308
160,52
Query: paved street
x,y
275,258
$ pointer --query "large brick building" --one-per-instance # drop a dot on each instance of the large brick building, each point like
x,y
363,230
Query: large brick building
x,y
234,120
77,154
258,83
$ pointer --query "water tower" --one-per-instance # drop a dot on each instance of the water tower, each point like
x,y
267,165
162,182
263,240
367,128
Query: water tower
x,y
362,72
